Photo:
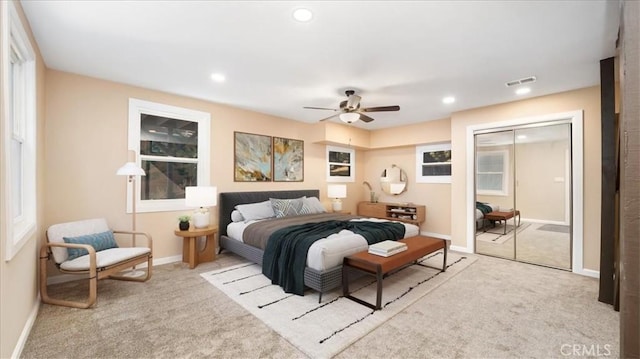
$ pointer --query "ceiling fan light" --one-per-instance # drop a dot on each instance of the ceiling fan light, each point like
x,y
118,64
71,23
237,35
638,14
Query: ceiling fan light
x,y
349,117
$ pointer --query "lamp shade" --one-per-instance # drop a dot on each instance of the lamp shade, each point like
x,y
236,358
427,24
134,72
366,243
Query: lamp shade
x,y
130,169
201,196
337,191
349,117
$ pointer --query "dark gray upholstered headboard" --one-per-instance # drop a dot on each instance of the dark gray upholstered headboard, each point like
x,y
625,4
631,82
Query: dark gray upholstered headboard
x,y
229,200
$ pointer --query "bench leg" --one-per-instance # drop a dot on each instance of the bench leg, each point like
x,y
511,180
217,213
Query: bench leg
x,y
379,292
444,260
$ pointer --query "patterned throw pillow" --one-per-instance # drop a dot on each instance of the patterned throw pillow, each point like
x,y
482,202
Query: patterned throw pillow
x,y
287,207
99,242
312,205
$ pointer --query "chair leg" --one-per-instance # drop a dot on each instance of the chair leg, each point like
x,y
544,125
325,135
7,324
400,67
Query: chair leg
x,y
144,278
44,294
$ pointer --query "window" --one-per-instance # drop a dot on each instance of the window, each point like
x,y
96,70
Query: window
x,y
492,173
341,164
19,91
433,163
173,144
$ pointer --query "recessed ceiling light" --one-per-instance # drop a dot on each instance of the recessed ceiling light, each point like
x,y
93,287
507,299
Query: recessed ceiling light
x,y
448,100
523,90
302,15
217,77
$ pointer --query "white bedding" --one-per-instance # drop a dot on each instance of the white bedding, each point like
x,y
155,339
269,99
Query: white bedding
x,y
328,252
480,215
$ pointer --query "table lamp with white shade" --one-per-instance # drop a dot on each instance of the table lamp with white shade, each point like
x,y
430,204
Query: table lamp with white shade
x,y
201,197
337,191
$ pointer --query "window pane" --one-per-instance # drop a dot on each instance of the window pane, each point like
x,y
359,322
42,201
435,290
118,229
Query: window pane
x,y
490,163
167,180
490,181
16,178
437,170
162,136
339,170
436,156
339,157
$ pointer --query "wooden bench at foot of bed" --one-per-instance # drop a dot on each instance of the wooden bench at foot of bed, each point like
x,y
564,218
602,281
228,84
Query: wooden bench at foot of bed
x,y
497,216
380,267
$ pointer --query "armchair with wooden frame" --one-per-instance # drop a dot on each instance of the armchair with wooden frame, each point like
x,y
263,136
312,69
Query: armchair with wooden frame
x,y
108,261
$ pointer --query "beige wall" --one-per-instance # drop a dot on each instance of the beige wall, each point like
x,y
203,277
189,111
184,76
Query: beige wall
x,y
87,142
18,277
539,196
588,100
397,146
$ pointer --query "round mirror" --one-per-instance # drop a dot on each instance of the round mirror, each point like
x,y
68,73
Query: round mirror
x,y
393,180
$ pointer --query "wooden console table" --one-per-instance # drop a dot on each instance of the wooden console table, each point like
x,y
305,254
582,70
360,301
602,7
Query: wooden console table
x,y
410,213
190,253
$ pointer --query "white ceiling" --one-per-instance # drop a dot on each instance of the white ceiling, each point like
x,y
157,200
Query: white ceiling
x,y
406,53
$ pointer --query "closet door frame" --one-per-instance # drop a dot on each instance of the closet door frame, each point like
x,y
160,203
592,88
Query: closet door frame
x,y
576,119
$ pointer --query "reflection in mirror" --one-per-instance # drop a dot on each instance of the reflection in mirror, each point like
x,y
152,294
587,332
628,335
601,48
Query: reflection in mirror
x,y
525,171
494,193
393,180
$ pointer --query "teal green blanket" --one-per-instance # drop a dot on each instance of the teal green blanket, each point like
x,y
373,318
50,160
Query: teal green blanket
x,y
285,256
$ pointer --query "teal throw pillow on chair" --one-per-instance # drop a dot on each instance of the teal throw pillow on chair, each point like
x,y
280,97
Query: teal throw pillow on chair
x,y
99,242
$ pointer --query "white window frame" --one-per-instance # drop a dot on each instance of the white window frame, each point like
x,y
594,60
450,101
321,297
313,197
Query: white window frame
x,y
19,123
203,119
352,164
420,150
505,174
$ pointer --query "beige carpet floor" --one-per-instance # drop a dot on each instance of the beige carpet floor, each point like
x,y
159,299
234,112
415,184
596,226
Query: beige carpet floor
x,y
494,309
533,244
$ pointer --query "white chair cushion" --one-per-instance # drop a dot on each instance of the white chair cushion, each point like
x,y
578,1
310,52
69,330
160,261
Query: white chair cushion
x,y
57,232
104,258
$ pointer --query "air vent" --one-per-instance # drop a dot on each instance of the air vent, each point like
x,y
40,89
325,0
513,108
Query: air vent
x,y
526,80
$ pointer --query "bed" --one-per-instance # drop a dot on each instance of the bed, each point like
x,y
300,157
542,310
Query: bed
x,y
482,209
322,272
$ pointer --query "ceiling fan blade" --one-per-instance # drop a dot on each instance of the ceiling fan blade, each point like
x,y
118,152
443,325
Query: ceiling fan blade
x,y
380,108
320,108
330,117
365,118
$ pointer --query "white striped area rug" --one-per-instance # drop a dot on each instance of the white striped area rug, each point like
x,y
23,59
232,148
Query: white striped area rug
x,y
322,330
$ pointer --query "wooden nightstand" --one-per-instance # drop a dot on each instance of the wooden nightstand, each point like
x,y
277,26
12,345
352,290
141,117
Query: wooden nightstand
x,y
190,253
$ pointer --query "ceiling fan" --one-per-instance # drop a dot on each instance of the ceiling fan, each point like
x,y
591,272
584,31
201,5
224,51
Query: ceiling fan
x,y
350,110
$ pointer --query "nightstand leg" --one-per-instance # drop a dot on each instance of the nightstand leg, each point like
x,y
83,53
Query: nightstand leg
x,y
192,252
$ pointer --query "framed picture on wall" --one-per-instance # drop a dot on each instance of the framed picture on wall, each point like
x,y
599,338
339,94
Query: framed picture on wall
x,y
252,157
288,160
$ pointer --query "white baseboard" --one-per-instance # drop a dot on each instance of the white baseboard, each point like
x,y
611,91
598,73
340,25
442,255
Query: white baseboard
x,y
62,278
436,235
24,335
588,272
460,249
166,260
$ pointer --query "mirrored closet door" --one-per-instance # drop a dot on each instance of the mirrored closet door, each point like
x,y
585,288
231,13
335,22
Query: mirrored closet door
x,y
523,194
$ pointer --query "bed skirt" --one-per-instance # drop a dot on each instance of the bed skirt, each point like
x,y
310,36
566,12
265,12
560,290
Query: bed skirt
x,y
320,281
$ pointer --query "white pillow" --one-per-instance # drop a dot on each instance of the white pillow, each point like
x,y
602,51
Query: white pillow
x,y
312,205
236,216
252,211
